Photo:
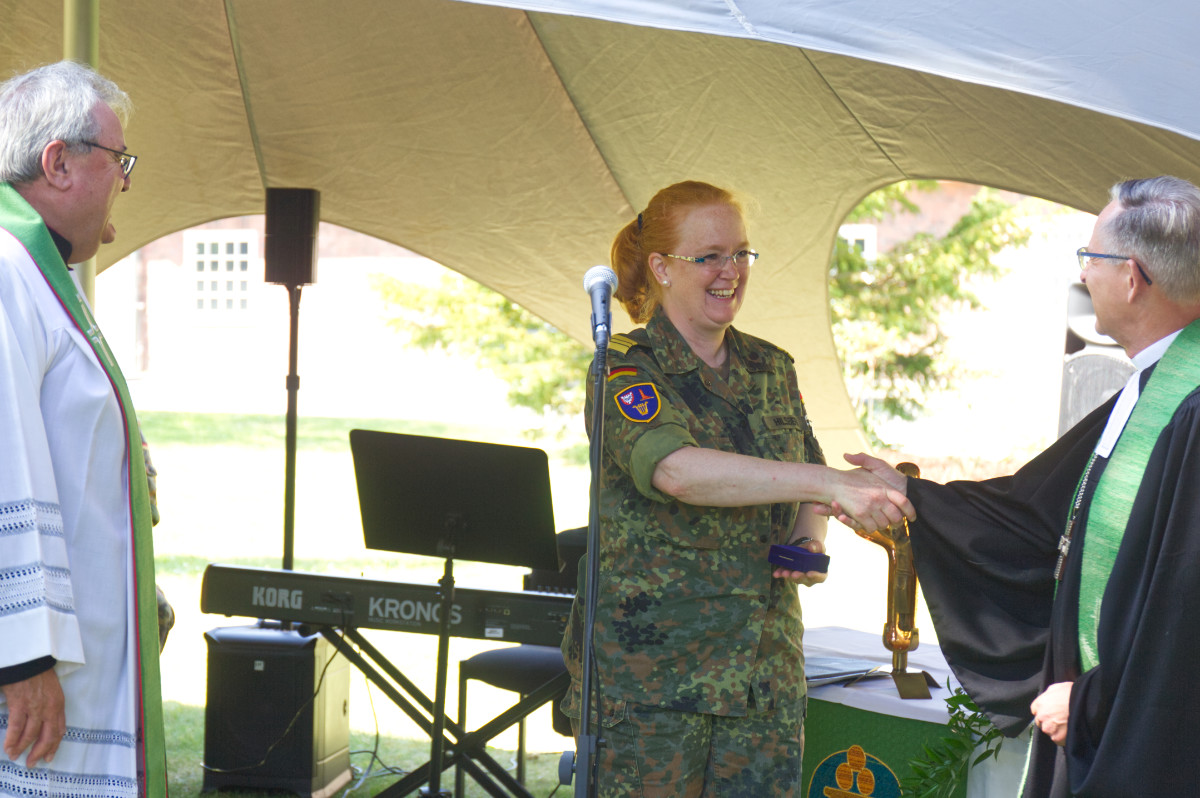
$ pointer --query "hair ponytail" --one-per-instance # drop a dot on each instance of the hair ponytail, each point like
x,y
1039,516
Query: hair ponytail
x,y
656,229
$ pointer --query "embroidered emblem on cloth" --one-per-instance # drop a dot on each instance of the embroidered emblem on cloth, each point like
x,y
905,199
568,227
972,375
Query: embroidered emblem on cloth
x,y
639,402
622,371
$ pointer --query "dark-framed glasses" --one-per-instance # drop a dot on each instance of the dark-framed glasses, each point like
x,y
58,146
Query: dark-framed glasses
x,y
125,159
1084,256
742,258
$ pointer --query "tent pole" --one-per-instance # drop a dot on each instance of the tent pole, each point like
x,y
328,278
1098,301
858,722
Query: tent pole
x,y
81,42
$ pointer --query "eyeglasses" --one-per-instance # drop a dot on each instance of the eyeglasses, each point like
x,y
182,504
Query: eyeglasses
x,y
742,258
1084,256
125,159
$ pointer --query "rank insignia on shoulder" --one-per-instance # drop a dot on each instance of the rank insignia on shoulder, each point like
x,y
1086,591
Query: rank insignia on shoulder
x,y
621,343
622,371
639,402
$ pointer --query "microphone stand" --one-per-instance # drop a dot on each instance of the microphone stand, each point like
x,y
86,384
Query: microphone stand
x,y
588,744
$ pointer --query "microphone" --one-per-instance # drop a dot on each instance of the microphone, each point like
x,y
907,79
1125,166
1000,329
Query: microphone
x,y
600,282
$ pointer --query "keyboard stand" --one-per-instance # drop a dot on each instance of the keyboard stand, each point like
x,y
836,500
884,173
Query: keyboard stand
x,y
467,750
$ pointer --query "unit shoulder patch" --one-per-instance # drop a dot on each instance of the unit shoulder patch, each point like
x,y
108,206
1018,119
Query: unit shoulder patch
x,y
639,402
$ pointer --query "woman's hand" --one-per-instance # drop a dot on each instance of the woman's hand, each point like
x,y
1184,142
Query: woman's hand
x,y
865,501
806,578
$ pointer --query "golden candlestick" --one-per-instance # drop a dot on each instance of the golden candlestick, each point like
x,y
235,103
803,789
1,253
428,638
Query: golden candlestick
x,y
900,634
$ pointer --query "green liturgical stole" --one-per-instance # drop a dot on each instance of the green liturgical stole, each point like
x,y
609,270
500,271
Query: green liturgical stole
x,y
23,222
1176,375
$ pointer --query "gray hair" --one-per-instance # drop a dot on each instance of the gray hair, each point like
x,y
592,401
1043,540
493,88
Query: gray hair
x,y
1159,225
51,103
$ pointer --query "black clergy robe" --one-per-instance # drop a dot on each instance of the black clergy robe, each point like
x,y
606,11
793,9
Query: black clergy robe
x,y
985,556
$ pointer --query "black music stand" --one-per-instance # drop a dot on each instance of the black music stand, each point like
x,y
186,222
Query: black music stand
x,y
453,499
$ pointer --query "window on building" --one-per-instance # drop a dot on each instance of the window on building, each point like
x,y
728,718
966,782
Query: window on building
x,y
229,301
862,237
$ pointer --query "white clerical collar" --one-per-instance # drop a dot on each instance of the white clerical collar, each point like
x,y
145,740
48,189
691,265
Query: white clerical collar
x,y
1130,393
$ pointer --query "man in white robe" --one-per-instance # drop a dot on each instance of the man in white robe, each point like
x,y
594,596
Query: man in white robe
x,y
80,702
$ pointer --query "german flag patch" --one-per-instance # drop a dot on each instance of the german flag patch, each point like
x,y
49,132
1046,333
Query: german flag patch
x,y
639,402
622,371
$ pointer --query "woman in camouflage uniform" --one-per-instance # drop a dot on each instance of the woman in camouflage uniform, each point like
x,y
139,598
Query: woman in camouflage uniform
x,y
708,459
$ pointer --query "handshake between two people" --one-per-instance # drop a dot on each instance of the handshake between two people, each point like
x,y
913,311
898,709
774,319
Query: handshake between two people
x,y
869,498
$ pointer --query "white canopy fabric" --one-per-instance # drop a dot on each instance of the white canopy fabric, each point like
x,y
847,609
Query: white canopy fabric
x,y
1109,56
510,143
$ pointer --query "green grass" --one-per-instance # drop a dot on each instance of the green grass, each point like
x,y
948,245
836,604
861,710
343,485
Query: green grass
x,y
386,757
319,434
269,431
219,487
193,565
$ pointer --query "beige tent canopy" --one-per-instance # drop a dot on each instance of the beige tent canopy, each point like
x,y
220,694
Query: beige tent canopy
x,y
510,144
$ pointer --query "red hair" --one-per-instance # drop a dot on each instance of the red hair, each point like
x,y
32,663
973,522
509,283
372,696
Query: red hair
x,y
656,229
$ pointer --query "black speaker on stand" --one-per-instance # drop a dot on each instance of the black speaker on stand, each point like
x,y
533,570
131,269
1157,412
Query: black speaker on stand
x,y
293,217
266,723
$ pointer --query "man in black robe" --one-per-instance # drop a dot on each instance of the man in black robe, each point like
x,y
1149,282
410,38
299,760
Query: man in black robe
x,y
1103,659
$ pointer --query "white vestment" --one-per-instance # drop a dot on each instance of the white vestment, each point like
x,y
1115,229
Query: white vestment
x,y
66,581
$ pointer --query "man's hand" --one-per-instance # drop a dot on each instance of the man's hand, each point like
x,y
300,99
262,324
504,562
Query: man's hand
x,y
880,468
1051,711
893,481
864,501
36,717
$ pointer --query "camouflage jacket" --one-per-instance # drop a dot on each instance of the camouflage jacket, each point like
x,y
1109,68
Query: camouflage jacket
x,y
689,616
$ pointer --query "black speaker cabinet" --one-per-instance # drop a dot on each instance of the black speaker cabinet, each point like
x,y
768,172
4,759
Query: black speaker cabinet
x,y
261,679
293,216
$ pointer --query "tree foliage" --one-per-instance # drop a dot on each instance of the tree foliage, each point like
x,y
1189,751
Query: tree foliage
x,y
887,313
545,370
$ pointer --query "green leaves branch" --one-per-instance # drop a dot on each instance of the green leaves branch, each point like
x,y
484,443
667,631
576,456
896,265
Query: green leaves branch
x,y
886,316
887,312
545,370
948,761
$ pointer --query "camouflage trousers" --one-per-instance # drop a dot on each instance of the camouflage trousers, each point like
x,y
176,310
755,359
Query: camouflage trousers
x,y
651,752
